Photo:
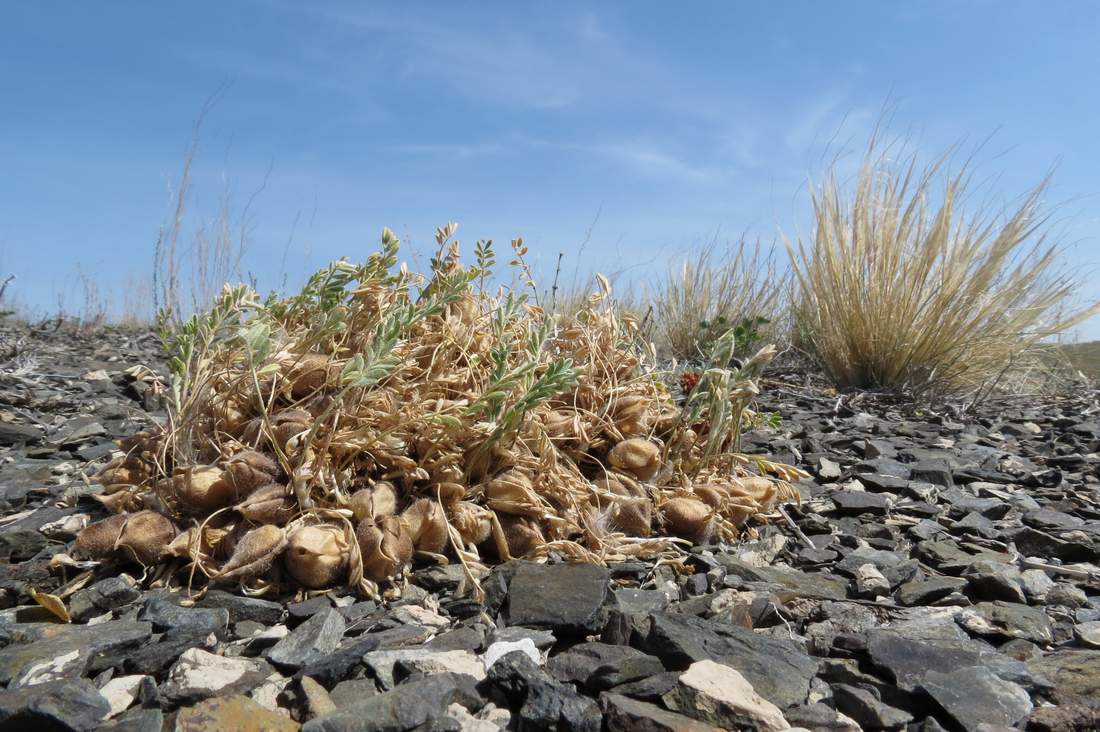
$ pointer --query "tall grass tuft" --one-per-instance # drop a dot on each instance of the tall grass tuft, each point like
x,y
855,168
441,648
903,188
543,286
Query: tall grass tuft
x,y
722,287
900,289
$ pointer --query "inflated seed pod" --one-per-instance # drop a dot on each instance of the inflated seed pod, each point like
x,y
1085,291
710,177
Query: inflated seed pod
x,y
633,516
123,471
688,518
559,424
385,545
522,535
271,504
206,488
290,423
427,525
639,457
253,554
145,535
374,501
309,373
473,522
248,470
712,495
98,540
317,556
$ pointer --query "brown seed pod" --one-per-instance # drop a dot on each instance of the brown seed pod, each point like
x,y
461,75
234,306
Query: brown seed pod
x,y
633,516
123,471
145,535
523,535
271,504
512,492
289,424
310,373
427,525
253,554
386,547
317,556
473,522
712,495
98,540
248,470
688,518
204,488
374,501
639,457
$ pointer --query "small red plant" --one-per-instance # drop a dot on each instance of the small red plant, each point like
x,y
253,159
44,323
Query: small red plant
x,y
688,380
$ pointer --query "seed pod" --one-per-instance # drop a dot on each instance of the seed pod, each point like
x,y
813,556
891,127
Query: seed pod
x,y
473,522
511,492
271,504
375,501
98,540
639,457
145,535
248,470
253,554
317,556
123,471
386,547
712,495
559,424
205,488
310,373
688,518
427,525
633,516
522,535
289,424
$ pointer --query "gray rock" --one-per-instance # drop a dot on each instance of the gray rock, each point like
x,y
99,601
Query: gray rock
x,y
975,697
166,614
779,670
1007,620
12,434
541,701
926,592
57,705
623,714
1036,584
316,637
1076,674
867,709
93,645
136,720
244,608
569,599
856,503
103,596
599,666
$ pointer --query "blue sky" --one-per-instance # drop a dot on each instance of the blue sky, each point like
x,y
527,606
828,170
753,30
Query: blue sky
x,y
666,125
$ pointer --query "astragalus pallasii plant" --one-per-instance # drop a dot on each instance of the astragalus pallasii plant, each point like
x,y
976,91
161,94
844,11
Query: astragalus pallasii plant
x,y
324,439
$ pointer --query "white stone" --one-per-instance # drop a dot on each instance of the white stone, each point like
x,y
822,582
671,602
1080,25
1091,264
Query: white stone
x,y
468,722
201,673
267,693
716,689
97,375
416,615
1088,633
502,648
121,691
424,661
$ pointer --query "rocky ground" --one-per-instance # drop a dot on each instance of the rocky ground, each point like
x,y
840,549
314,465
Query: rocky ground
x,y
940,573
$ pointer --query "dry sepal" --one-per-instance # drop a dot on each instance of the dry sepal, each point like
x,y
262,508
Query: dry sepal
x,y
379,416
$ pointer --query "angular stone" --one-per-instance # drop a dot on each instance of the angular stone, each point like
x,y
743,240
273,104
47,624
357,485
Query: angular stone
x,y
566,598
541,701
975,697
1076,674
623,714
89,642
136,720
56,705
232,713
106,595
856,503
599,666
1007,620
165,614
867,709
244,608
779,670
388,666
407,707
926,592
199,674
313,639
717,694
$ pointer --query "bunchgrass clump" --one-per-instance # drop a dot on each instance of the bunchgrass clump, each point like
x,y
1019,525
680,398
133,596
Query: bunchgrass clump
x,y
326,438
901,290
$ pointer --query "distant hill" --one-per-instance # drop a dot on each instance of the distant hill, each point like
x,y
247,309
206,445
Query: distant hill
x,y
1083,356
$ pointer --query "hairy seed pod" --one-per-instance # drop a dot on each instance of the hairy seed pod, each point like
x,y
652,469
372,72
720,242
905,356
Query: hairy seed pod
x,y
386,547
253,554
317,556
473,522
204,488
688,518
374,501
559,424
123,471
209,542
522,535
248,470
145,535
639,457
427,525
289,424
633,516
310,373
271,504
712,495
98,540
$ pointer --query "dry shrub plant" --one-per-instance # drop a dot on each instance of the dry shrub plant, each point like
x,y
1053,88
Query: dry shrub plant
x,y
901,290
720,287
325,438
